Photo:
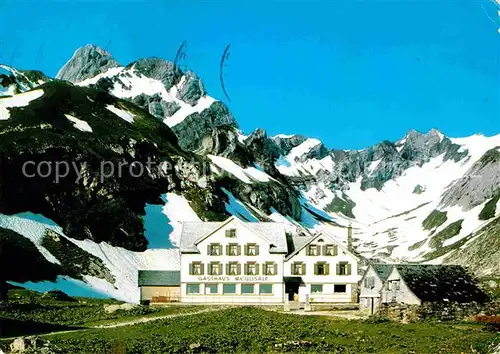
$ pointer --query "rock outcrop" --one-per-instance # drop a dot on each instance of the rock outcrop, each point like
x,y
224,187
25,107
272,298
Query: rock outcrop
x,y
195,127
479,184
86,63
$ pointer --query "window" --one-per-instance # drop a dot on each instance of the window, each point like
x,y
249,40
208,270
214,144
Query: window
x,y
247,289
313,250
343,268
231,233
298,268
229,289
270,268
369,282
233,249
215,268
196,268
339,288
211,289
330,250
316,288
265,289
193,288
251,268
214,249
233,268
321,268
394,285
252,249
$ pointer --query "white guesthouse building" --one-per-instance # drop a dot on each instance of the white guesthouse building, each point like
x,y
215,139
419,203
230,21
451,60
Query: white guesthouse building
x,y
253,262
232,262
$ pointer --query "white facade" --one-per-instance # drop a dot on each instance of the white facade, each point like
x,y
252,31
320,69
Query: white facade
x,y
396,290
328,272
245,267
250,262
370,289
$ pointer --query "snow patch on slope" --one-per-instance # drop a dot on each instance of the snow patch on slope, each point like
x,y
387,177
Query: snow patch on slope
x,y
248,175
129,84
303,148
122,263
125,115
108,73
79,124
20,100
237,208
177,210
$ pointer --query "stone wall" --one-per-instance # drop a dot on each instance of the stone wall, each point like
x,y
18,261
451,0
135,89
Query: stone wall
x,y
447,311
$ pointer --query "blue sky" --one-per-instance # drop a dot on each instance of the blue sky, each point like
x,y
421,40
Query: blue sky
x,y
351,73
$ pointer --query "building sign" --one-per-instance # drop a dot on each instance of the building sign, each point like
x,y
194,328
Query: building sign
x,y
221,278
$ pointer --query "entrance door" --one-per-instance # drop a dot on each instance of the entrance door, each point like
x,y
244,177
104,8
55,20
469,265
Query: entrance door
x,y
292,289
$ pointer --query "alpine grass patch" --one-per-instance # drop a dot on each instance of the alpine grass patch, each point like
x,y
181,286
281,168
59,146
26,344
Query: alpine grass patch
x,y
435,219
253,330
489,208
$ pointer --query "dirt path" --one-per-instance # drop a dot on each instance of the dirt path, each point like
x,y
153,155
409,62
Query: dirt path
x,y
119,324
149,319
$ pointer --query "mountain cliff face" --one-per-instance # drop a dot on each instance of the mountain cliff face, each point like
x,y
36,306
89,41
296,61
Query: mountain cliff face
x,y
425,197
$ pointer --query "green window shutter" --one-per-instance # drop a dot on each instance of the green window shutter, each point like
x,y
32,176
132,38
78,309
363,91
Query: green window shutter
x,y
307,250
337,271
256,268
348,269
303,268
208,249
264,269
335,250
318,250
275,269
238,252
202,269
246,250
220,250
315,268
256,250
227,250
327,269
209,270
191,269
227,268
292,266
245,268
324,250
238,269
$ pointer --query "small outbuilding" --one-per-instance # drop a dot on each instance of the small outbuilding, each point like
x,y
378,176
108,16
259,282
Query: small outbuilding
x,y
159,286
371,285
414,284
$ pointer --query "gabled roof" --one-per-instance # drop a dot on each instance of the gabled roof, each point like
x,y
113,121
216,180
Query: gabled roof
x,y
159,278
440,283
196,231
304,243
192,231
381,269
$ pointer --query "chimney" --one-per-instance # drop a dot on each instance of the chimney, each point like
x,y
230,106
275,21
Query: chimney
x,y
349,238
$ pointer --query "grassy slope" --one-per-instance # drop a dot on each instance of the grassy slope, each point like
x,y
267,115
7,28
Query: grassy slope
x,y
483,252
489,208
435,219
342,205
255,330
29,312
